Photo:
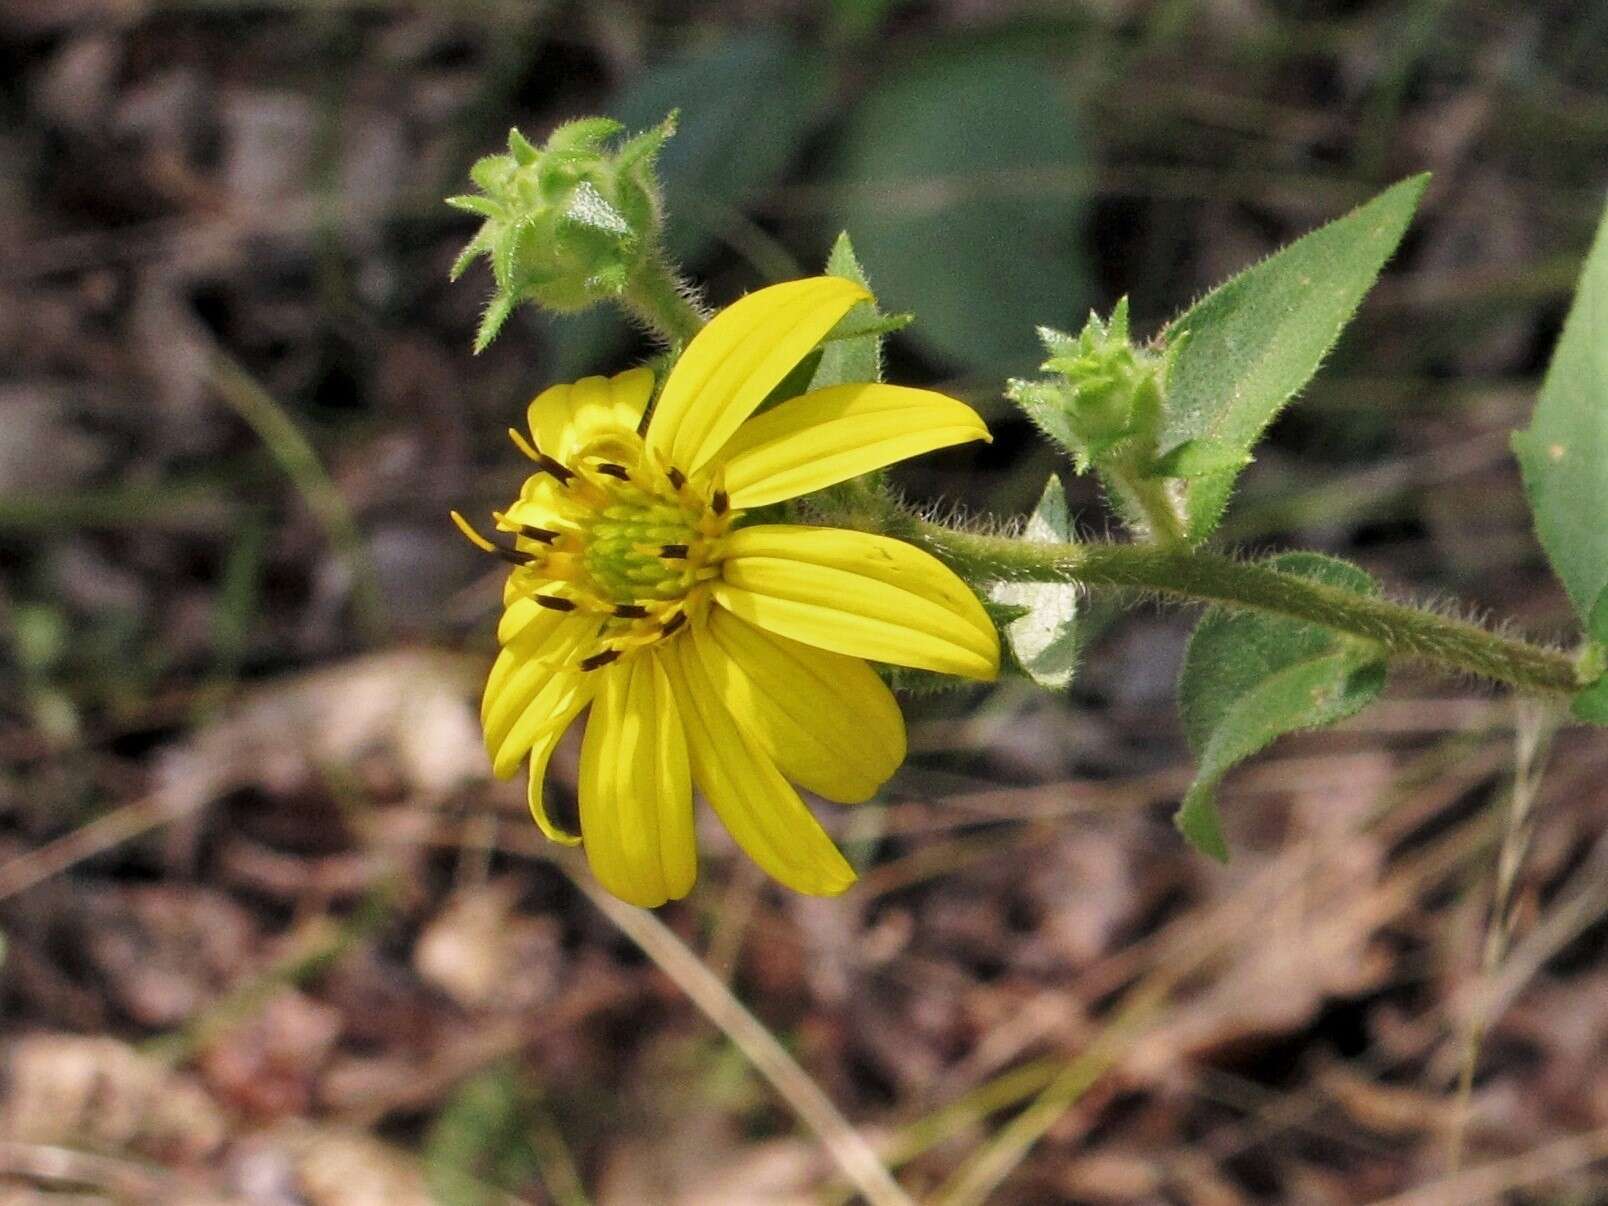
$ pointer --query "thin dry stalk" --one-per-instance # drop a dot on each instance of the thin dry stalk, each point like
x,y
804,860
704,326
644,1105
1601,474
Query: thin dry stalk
x,y
1490,1182
1535,724
853,1155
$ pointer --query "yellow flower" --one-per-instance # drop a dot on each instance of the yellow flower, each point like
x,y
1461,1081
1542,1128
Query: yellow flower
x,y
708,650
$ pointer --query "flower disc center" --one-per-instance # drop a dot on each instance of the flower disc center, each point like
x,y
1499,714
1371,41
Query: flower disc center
x,y
626,548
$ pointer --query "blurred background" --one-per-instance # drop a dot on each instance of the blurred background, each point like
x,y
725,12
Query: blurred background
x,y
271,936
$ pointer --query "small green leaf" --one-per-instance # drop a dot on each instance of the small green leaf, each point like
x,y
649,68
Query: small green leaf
x,y
1045,407
491,322
584,134
953,171
856,356
1256,340
1250,678
490,172
1564,454
472,203
1046,640
477,247
851,327
520,148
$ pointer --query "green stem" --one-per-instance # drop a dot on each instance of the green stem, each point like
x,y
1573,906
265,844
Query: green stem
x,y
1402,631
1149,500
658,298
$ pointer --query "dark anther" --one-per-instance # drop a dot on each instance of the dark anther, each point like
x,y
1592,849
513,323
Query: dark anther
x,y
554,603
673,550
514,556
719,502
631,611
539,535
598,660
561,472
677,478
613,470
674,622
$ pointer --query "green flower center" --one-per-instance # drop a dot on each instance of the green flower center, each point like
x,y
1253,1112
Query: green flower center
x,y
631,545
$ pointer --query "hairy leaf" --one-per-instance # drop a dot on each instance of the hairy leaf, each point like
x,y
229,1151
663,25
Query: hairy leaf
x,y
859,357
1256,340
1250,678
1564,454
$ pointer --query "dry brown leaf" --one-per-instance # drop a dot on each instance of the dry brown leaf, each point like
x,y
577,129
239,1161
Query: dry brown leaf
x,y
73,1089
480,953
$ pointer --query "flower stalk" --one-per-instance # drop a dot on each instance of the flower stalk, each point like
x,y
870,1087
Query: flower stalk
x,y
1400,630
658,299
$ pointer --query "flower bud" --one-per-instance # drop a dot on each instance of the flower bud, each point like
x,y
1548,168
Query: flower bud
x,y
566,224
1106,392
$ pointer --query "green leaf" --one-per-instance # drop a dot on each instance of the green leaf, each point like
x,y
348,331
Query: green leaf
x,y
491,322
1564,454
953,172
1045,641
1250,678
858,357
1256,340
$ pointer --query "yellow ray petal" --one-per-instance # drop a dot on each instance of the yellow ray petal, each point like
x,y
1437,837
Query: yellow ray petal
x,y
563,418
527,624
537,504
828,721
742,784
734,362
636,787
526,663
831,435
553,705
857,594
540,753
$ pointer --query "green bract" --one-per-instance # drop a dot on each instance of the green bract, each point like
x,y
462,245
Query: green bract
x,y
568,224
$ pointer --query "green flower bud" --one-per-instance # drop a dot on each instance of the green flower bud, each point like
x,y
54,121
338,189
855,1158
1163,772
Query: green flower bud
x,y
568,224
1106,393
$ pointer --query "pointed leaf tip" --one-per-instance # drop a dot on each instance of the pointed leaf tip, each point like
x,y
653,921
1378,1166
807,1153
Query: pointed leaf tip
x,y
1256,340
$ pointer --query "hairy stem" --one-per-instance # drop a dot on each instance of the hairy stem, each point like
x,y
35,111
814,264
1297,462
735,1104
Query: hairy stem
x,y
1399,630
1148,500
656,297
